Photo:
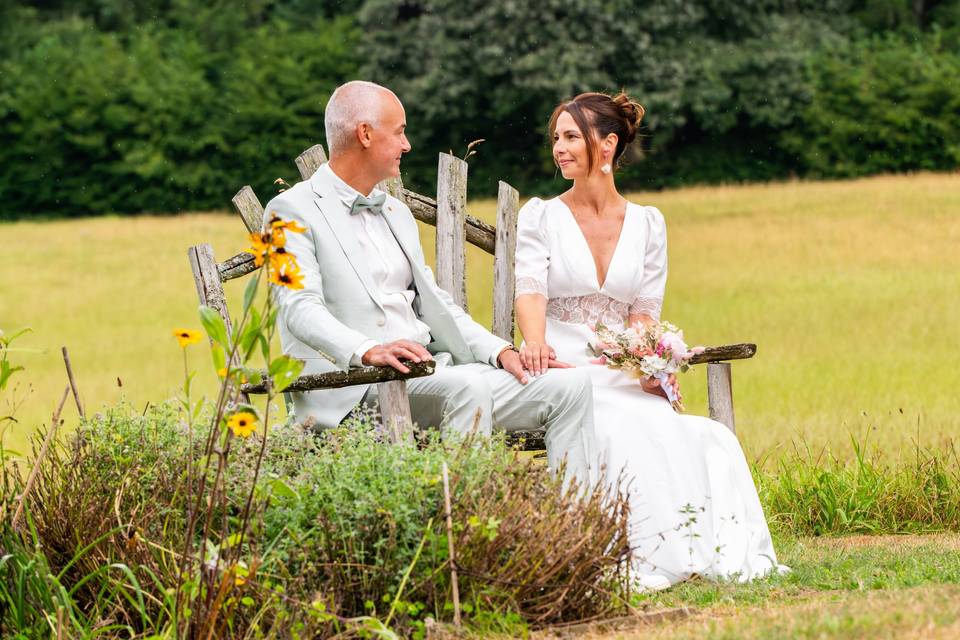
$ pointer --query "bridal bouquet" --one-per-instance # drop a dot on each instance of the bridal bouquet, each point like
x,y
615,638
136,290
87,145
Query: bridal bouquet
x,y
643,351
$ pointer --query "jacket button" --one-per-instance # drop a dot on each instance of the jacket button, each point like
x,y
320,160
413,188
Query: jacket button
x,y
381,322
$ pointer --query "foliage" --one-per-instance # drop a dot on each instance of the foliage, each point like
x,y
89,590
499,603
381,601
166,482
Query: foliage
x,y
880,105
165,105
339,523
154,120
817,493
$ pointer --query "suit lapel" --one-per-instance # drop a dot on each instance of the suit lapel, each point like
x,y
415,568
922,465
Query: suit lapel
x,y
418,275
339,221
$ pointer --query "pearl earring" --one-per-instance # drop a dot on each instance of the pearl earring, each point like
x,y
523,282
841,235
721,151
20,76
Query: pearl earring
x,y
606,168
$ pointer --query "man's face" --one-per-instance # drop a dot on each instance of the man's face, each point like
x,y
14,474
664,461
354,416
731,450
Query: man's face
x,y
388,139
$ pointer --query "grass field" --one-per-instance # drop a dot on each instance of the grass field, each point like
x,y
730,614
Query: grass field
x,y
849,289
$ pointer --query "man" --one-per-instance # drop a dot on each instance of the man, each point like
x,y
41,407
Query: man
x,y
369,299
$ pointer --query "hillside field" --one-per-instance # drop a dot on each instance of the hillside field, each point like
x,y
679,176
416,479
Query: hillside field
x,y
850,289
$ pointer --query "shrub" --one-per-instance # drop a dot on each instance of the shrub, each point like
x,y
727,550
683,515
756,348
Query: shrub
x,y
348,533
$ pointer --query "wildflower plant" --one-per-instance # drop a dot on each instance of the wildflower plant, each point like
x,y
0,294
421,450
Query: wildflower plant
x,y
215,562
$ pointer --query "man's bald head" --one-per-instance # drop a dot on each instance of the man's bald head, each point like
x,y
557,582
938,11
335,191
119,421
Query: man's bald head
x,y
350,105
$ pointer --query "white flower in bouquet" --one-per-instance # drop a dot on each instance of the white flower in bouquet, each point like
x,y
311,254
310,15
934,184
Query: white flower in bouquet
x,y
645,351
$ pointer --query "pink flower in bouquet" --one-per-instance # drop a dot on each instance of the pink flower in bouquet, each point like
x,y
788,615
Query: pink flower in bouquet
x,y
674,342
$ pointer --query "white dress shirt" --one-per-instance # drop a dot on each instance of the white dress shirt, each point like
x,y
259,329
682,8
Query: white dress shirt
x,y
389,269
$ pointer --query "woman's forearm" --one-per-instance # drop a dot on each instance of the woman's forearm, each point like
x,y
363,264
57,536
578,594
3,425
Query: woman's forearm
x,y
532,317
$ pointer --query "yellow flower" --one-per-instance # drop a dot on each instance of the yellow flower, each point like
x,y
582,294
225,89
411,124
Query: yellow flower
x,y
222,372
278,223
186,336
260,247
280,260
240,574
242,424
288,275
278,229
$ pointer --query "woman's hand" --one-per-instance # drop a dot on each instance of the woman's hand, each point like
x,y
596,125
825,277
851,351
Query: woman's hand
x,y
652,385
538,357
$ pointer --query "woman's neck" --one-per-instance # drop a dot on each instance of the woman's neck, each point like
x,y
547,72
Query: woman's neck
x,y
594,194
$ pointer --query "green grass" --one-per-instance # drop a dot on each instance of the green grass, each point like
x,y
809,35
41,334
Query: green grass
x,y
857,587
848,288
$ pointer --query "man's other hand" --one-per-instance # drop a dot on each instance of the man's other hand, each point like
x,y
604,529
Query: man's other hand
x,y
509,360
388,355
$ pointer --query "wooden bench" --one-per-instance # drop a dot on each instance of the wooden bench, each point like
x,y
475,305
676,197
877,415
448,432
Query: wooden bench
x,y
454,228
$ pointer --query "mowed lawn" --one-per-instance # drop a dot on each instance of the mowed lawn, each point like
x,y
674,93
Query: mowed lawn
x,y
850,289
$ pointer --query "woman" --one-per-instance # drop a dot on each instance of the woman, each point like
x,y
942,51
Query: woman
x,y
591,256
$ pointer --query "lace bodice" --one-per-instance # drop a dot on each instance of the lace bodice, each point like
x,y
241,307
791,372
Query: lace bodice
x,y
553,260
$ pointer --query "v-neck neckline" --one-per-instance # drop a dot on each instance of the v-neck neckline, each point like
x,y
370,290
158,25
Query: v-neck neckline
x,y
586,243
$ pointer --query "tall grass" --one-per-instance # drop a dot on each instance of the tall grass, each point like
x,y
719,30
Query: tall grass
x,y
813,492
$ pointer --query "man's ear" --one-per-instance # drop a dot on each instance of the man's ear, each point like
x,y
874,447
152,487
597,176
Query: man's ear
x,y
365,134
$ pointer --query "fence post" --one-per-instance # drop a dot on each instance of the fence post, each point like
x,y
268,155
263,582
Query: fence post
x,y
508,206
451,218
250,209
310,160
720,393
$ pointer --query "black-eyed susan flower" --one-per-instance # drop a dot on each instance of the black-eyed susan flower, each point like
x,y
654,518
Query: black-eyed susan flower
x,y
242,424
287,225
259,247
288,275
280,259
186,337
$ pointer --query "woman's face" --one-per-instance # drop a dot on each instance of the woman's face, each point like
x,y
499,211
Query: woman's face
x,y
569,148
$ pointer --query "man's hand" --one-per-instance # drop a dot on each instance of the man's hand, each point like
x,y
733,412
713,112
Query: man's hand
x,y
388,355
510,361
537,358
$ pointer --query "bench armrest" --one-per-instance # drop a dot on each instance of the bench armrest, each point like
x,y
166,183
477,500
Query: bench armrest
x,y
337,379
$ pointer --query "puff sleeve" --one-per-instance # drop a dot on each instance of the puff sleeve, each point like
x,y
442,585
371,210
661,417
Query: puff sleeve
x,y
649,299
533,250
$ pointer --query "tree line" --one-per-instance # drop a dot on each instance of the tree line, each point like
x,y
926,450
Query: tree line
x,y
167,105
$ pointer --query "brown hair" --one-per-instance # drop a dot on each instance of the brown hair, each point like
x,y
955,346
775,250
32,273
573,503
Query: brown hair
x,y
598,115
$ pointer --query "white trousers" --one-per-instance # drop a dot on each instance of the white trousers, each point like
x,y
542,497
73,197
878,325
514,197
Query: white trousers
x,y
559,401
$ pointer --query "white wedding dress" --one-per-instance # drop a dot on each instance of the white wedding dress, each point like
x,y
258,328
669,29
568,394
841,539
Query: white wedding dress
x,y
693,507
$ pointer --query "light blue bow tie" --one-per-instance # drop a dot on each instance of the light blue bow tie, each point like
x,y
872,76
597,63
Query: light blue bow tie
x,y
374,204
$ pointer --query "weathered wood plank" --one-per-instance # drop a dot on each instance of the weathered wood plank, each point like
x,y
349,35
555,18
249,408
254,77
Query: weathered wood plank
x,y
720,393
395,410
508,205
237,266
451,218
206,277
250,209
393,186
725,352
337,379
424,209
310,160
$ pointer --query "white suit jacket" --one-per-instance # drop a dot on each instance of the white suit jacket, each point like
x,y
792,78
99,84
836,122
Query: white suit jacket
x,y
338,309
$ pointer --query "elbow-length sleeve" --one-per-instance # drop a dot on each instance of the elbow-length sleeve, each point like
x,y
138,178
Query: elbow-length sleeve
x,y
533,250
649,300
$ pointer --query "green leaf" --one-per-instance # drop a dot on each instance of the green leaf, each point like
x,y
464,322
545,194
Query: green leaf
x,y
251,332
214,326
219,357
187,383
264,347
6,371
284,370
283,490
250,292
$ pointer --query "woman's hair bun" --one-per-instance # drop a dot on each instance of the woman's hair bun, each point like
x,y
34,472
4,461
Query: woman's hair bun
x,y
632,111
